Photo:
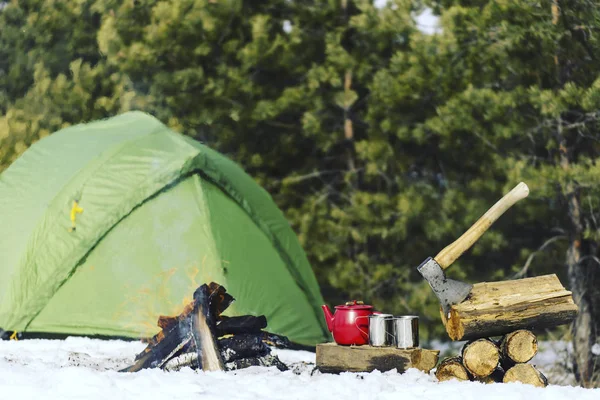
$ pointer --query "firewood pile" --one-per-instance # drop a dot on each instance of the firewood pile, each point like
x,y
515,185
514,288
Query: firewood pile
x,y
202,338
489,361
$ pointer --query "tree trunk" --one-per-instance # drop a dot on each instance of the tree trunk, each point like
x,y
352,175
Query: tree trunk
x,y
583,279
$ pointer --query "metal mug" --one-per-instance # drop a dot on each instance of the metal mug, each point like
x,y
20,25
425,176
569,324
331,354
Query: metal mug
x,y
406,330
381,330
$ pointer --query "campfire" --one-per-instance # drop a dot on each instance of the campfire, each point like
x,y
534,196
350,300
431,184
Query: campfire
x,y
202,338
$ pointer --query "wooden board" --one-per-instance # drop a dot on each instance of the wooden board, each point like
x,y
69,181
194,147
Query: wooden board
x,y
496,308
333,358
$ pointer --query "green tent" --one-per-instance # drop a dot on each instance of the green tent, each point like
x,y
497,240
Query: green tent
x,y
161,214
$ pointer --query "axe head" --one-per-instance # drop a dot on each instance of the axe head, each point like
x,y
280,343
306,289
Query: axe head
x,y
448,291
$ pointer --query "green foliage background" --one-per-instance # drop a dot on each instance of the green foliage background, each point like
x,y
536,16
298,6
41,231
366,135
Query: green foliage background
x,y
382,144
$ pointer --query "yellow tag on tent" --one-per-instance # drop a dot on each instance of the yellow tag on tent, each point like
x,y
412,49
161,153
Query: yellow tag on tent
x,y
76,209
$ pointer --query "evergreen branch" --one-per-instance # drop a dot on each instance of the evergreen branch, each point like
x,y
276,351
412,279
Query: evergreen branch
x,y
486,141
547,243
312,175
277,124
589,257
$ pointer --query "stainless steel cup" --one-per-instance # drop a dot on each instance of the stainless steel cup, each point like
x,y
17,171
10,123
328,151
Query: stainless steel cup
x,y
381,330
406,330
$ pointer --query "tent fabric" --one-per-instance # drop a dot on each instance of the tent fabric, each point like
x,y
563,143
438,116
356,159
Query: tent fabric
x,y
162,213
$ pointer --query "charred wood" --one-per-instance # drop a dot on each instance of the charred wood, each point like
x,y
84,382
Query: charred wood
x,y
154,354
275,340
203,323
265,361
242,324
242,346
190,339
182,361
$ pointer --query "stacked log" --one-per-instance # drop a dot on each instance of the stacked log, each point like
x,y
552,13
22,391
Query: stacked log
x,y
498,308
452,368
489,361
202,338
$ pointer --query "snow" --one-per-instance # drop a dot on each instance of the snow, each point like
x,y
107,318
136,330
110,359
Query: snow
x,y
426,21
82,368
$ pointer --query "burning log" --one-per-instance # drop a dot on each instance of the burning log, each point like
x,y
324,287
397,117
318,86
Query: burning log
x,y
192,338
209,356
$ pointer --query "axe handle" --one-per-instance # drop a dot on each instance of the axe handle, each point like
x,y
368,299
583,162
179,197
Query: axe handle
x,y
450,253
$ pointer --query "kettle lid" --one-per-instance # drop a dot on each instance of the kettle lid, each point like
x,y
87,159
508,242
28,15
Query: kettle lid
x,y
354,305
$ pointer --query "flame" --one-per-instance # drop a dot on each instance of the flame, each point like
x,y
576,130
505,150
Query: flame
x,y
143,305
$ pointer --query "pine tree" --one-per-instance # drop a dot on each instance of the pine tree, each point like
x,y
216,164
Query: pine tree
x,y
51,72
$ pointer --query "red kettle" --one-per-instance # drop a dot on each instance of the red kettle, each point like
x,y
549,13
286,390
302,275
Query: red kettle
x,y
349,324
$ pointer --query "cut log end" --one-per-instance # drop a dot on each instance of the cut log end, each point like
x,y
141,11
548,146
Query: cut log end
x,y
451,368
525,373
519,346
481,357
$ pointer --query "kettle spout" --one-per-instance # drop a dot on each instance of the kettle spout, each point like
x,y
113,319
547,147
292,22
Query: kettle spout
x,y
328,317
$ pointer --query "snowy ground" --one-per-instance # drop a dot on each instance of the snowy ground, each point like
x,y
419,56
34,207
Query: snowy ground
x,y
80,368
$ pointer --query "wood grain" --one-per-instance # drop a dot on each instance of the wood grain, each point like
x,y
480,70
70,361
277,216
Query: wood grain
x,y
452,368
519,346
333,358
481,357
497,308
525,373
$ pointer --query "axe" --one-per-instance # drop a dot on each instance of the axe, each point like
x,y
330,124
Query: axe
x,y
450,291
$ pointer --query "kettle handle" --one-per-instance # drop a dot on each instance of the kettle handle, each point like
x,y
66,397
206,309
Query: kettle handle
x,y
357,327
